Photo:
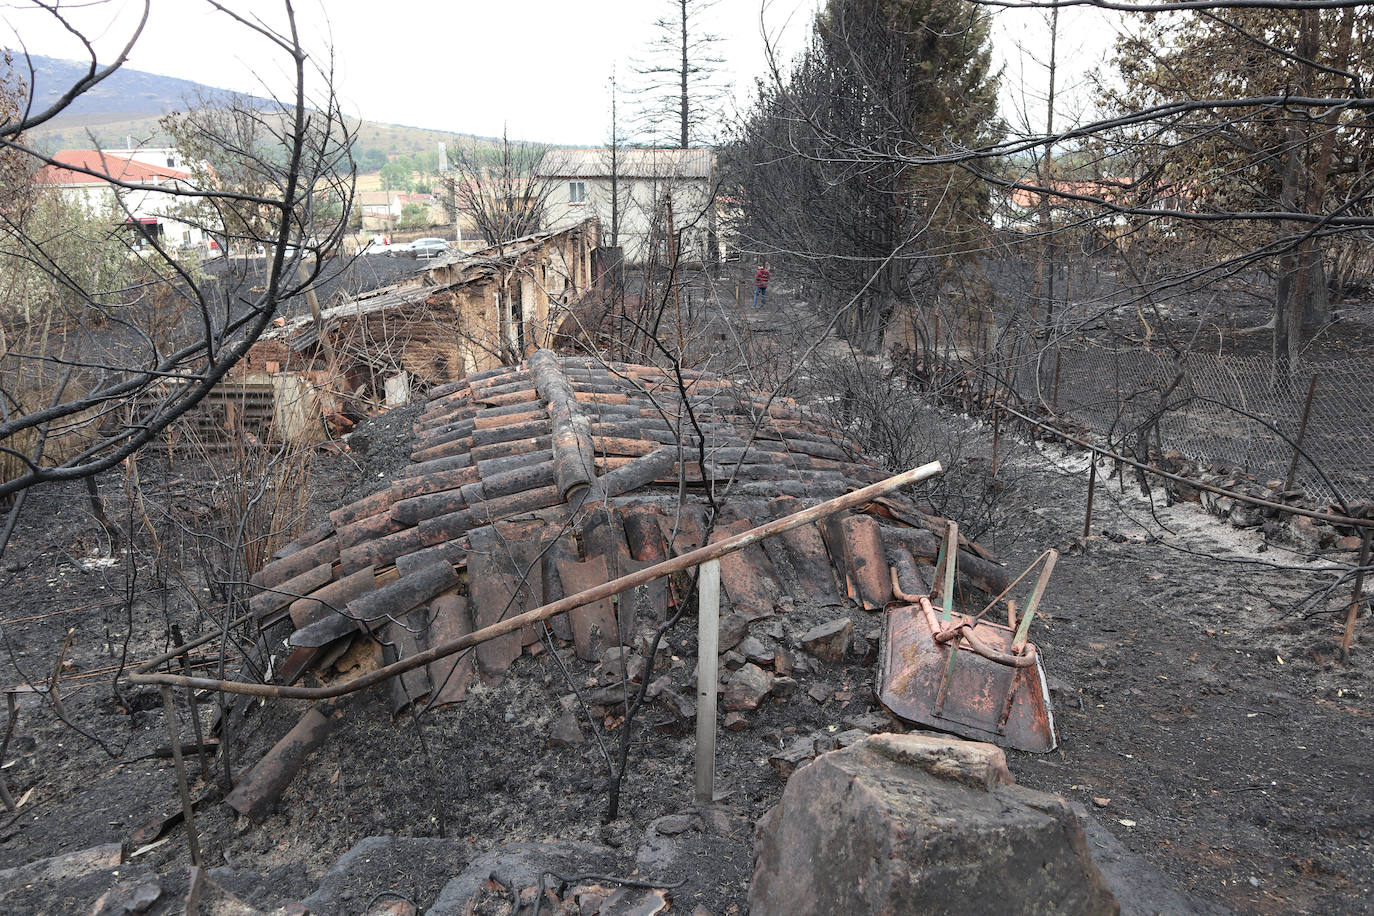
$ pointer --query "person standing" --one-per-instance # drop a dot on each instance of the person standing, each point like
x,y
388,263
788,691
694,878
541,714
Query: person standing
x,y
761,285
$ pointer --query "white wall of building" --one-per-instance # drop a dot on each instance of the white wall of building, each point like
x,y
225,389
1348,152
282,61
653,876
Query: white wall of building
x,y
98,199
639,198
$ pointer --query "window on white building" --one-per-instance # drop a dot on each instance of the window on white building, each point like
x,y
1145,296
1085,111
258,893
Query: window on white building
x,y
577,192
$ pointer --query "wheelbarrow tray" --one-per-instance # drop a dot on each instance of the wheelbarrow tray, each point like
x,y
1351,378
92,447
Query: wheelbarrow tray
x,y
975,697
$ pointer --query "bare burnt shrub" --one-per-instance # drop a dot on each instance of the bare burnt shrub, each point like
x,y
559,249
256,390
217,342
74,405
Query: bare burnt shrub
x,y
877,406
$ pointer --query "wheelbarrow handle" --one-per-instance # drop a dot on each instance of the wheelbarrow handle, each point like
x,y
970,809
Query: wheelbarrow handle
x,y
1023,659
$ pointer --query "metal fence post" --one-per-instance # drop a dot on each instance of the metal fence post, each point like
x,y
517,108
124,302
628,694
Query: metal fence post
x,y
1092,486
1054,389
1354,611
708,659
1302,432
996,435
188,808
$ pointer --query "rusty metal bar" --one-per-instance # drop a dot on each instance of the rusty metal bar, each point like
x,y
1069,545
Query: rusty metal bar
x,y
1011,605
511,624
1302,432
177,642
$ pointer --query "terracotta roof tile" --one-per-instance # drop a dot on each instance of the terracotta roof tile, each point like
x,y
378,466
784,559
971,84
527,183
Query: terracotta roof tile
x,y
120,168
500,510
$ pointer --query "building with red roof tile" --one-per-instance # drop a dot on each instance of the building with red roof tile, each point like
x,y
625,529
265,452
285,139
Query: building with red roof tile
x,y
142,183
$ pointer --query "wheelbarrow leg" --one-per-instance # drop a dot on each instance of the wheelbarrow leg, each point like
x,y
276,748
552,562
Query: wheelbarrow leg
x,y
953,647
1022,634
1033,602
1008,701
947,562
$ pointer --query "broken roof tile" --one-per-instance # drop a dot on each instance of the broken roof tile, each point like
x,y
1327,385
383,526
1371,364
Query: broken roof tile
x,y
746,575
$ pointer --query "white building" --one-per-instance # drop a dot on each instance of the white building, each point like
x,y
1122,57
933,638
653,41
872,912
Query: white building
x,y
650,185
149,210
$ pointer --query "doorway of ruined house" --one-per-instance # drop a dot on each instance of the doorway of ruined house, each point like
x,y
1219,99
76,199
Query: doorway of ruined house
x,y
517,309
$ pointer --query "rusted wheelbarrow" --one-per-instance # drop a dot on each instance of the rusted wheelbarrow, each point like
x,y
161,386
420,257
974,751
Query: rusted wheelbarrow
x,y
962,674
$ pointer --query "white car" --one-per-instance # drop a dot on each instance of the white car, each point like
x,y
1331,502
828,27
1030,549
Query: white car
x,y
421,248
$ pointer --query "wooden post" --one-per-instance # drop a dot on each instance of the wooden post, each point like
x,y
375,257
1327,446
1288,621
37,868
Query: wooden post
x,y
177,642
1054,389
1354,611
1092,487
708,658
188,813
1302,432
996,436
317,318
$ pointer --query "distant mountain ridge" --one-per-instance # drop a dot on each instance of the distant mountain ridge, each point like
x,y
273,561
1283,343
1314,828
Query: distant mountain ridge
x,y
126,108
125,95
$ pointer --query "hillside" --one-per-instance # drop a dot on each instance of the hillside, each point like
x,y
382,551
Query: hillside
x,y
127,106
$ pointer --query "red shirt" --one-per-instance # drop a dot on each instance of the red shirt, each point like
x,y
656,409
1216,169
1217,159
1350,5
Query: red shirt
x,y
761,278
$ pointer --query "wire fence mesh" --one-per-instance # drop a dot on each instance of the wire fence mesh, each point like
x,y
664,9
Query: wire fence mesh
x,y
1241,413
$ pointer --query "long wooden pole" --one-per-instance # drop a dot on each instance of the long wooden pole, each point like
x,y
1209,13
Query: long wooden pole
x,y
685,561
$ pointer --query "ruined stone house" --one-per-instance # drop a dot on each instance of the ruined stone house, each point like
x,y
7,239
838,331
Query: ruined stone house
x,y
463,314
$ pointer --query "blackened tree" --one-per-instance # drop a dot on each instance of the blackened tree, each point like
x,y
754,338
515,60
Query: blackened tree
x,y
820,167
681,90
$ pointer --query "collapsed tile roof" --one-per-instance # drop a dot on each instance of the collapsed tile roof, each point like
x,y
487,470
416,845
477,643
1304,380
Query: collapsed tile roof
x,y
453,269
534,482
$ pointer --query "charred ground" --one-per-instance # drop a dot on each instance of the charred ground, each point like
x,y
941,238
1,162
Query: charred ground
x,y
1229,742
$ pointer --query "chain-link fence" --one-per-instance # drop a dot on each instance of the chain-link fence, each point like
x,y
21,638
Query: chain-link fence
x,y
1237,412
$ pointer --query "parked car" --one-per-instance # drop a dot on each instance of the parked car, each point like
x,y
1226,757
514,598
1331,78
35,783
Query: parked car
x,y
420,248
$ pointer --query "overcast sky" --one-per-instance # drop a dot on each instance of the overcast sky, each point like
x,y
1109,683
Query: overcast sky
x,y
539,67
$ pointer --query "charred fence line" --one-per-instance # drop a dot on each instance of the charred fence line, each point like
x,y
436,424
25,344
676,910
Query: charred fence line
x,y
1311,431
1144,404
